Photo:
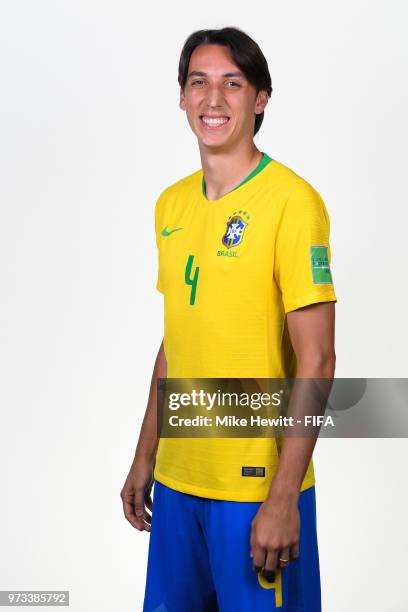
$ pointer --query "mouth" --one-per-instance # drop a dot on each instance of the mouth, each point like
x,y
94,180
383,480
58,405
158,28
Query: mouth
x,y
213,123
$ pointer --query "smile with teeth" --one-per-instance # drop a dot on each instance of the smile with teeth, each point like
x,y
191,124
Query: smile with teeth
x,y
214,122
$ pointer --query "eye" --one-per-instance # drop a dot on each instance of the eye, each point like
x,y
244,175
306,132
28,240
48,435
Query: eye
x,y
233,83
197,82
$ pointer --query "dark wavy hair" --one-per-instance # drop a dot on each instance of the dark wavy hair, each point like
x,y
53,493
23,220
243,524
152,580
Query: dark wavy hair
x,y
244,51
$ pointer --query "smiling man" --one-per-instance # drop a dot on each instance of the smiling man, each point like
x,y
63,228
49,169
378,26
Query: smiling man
x,y
244,266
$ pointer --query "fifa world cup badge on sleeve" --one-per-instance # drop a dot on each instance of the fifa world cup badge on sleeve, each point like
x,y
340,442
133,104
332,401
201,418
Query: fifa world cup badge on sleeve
x,y
319,260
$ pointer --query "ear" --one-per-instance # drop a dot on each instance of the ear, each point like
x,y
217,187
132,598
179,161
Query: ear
x,y
261,101
182,102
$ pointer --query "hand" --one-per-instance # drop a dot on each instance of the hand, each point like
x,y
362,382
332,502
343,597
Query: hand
x,y
275,534
136,495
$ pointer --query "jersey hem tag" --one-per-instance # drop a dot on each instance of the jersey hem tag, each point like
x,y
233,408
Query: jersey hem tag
x,y
253,471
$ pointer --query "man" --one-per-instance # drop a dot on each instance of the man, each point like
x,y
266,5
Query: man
x,y
244,267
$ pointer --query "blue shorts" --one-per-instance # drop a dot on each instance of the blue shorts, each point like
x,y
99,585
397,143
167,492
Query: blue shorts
x,y
199,558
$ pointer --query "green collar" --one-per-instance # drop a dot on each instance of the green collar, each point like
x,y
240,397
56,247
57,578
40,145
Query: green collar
x,y
265,159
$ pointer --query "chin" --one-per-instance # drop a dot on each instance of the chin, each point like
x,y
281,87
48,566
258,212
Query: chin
x,y
214,146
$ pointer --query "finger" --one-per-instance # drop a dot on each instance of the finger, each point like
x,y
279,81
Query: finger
x,y
140,509
284,557
142,515
129,512
294,551
134,510
271,562
258,558
252,542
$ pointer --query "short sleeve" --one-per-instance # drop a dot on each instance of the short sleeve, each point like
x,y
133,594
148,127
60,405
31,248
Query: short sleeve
x,y
157,223
302,250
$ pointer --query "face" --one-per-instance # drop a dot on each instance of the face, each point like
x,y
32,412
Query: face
x,y
219,101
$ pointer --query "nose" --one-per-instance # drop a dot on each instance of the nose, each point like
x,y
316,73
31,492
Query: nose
x,y
214,96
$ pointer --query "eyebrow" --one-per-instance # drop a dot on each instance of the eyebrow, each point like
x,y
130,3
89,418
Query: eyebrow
x,y
226,74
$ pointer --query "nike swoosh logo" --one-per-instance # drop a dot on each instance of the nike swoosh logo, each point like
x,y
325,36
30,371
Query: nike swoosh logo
x,y
166,232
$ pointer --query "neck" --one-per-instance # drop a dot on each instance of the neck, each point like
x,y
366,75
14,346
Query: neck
x,y
225,169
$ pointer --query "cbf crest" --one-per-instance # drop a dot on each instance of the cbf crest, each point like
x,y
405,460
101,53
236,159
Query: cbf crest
x,y
236,225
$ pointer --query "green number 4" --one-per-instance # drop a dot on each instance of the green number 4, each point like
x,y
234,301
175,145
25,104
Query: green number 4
x,y
191,281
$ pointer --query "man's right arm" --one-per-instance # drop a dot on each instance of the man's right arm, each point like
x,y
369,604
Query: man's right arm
x,y
136,492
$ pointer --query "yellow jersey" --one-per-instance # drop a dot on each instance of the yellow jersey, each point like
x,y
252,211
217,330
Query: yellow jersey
x,y
230,270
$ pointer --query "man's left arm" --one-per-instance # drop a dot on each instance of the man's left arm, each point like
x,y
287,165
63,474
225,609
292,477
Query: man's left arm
x,y
276,527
